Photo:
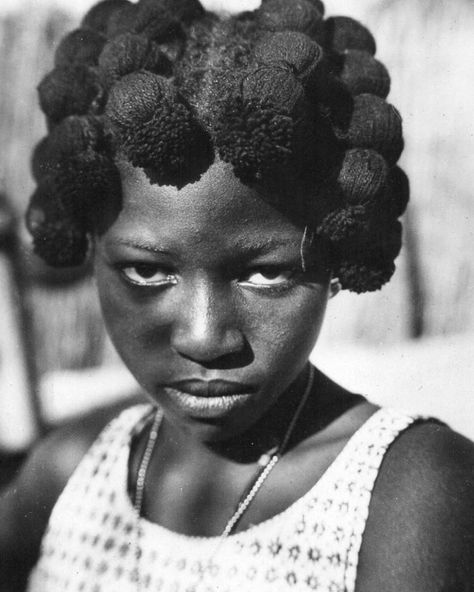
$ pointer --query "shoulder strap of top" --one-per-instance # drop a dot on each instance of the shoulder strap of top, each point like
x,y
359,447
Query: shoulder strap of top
x,y
122,427
102,454
83,510
361,460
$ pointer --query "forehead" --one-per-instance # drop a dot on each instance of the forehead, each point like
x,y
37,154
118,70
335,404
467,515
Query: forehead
x,y
218,208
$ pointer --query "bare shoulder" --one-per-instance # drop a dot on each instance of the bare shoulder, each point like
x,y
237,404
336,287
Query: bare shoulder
x,y
26,505
420,531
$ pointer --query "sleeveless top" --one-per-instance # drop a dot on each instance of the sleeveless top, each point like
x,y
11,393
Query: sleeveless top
x,y
96,543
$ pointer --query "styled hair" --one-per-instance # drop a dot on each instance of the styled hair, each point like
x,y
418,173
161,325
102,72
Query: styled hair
x,y
293,101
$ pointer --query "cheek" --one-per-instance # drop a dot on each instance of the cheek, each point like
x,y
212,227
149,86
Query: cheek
x,y
127,320
287,331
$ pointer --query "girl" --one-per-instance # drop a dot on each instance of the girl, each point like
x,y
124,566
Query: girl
x,y
227,176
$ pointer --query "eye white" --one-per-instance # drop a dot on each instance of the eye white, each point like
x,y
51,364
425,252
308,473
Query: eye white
x,y
269,278
146,275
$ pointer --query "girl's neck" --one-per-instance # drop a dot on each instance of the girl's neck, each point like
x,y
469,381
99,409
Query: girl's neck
x,y
326,400
245,447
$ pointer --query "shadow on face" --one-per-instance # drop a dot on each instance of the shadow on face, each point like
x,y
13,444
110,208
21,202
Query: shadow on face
x,y
206,283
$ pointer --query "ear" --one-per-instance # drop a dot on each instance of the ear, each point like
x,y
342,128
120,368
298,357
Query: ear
x,y
334,287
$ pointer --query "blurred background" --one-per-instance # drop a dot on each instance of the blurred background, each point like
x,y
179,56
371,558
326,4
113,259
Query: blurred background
x,y
409,345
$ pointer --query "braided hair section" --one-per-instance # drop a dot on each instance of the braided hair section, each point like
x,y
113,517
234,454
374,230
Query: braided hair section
x,y
294,101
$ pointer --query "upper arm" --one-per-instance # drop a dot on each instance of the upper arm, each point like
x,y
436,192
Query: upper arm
x,y
26,505
420,531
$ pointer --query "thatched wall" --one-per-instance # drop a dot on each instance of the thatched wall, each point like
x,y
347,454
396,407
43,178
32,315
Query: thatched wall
x,y
67,331
428,46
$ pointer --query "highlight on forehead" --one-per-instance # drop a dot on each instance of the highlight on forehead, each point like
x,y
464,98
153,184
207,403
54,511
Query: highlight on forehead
x,y
256,246
299,250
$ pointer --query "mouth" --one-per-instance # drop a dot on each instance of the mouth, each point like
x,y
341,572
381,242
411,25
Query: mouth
x,y
208,399
211,388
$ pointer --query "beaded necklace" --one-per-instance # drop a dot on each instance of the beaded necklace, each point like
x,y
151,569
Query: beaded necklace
x,y
266,464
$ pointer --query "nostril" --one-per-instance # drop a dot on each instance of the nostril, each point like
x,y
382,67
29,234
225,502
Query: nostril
x,y
207,346
235,359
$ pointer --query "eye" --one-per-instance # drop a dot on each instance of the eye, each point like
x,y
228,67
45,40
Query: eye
x,y
147,275
268,277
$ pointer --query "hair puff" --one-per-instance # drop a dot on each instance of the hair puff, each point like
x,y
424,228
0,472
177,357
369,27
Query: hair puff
x,y
82,46
399,192
157,23
363,74
60,241
371,265
157,132
73,136
63,208
344,224
185,10
98,17
367,275
129,53
342,33
70,90
82,182
42,163
365,202
255,138
304,56
59,234
319,6
277,84
375,124
269,131
122,21
298,15
162,20
362,177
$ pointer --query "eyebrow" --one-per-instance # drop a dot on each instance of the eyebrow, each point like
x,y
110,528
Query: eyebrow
x,y
259,247
264,246
141,244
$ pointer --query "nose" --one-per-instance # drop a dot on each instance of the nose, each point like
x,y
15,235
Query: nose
x,y
206,328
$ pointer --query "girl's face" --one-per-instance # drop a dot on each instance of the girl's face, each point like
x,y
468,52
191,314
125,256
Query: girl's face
x,y
205,299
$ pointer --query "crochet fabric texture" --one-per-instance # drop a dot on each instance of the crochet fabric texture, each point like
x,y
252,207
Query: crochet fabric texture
x,y
91,541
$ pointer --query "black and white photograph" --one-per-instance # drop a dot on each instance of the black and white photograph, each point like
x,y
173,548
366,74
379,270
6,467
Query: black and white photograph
x,y
236,296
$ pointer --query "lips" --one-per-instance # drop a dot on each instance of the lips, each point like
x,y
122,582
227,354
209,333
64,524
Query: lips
x,y
211,388
208,400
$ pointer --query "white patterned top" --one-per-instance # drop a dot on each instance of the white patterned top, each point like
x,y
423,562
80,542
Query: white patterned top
x,y
95,542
